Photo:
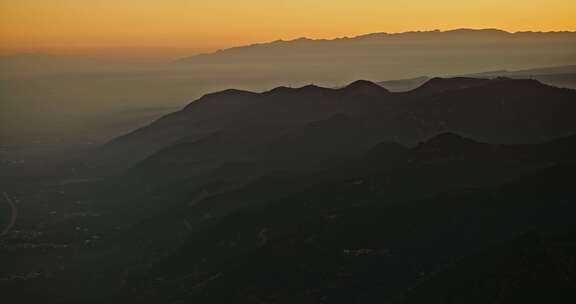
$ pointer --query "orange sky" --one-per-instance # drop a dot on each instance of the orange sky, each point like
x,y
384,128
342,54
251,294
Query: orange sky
x,y
164,26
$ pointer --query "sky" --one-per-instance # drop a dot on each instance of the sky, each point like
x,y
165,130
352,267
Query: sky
x,y
166,27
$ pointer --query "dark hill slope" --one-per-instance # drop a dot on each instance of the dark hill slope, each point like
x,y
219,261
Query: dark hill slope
x,y
308,247
533,268
500,110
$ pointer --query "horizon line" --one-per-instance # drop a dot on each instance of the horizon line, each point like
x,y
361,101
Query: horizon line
x,y
62,50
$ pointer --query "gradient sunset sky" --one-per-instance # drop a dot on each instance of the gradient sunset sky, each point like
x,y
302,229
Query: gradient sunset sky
x,y
164,26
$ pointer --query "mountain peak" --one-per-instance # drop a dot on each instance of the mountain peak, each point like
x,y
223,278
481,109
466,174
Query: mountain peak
x,y
231,95
230,92
279,90
311,88
449,138
364,87
511,82
449,145
439,85
360,84
487,31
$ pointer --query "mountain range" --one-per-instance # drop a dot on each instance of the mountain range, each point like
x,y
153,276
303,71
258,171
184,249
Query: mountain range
x,y
410,54
354,194
374,227
494,110
45,95
559,76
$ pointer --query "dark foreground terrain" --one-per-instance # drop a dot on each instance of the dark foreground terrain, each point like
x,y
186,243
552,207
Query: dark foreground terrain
x,y
459,191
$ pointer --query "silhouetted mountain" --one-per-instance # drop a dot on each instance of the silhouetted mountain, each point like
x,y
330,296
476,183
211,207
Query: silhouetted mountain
x,y
317,194
403,85
364,88
499,110
233,138
526,73
559,76
410,54
439,85
441,163
469,35
449,145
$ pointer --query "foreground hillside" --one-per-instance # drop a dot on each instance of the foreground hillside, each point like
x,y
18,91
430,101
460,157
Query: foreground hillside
x,y
314,195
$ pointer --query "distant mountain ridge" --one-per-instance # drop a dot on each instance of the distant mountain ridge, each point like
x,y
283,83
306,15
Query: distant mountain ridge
x,y
564,69
398,55
473,33
560,76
